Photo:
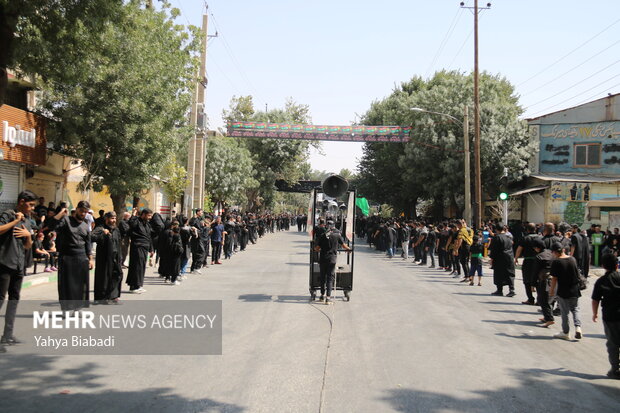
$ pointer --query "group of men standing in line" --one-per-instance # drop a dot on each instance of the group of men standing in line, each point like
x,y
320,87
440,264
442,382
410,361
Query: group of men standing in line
x,y
144,236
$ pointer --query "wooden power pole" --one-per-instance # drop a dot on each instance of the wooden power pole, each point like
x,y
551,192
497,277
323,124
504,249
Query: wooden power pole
x,y
195,192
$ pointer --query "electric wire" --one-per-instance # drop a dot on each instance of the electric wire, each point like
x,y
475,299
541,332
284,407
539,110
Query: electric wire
x,y
579,94
444,41
585,61
569,53
574,85
234,60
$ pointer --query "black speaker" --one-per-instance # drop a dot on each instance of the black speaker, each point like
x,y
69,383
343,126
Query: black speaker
x,y
335,186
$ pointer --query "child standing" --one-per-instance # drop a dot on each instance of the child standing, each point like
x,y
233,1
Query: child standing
x,y
475,260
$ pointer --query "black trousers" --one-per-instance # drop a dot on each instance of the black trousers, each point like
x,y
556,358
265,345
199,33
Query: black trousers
x,y
11,283
542,296
73,282
137,266
328,277
216,252
456,266
527,271
464,259
441,258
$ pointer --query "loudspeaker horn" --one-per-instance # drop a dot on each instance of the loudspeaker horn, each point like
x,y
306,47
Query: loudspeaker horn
x,y
335,186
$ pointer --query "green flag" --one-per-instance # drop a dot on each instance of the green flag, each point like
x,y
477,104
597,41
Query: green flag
x,y
362,203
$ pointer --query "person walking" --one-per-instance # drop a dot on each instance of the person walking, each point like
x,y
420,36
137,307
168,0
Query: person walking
x,y
607,290
328,244
565,286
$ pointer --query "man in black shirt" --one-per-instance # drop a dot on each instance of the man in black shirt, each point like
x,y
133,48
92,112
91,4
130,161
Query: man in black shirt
x,y
565,284
141,247
607,290
15,244
75,257
526,250
328,244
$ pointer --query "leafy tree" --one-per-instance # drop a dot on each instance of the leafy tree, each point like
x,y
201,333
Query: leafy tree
x,y
50,38
430,165
174,181
228,170
272,158
126,108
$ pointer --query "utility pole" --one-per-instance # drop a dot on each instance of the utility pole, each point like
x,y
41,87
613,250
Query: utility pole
x,y
195,192
478,179
466,167
477,172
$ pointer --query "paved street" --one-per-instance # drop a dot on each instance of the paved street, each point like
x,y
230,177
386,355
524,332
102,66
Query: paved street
x,y
411,340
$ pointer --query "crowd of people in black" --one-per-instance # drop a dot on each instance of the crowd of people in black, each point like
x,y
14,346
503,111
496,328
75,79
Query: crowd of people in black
x,y
74,242
555,264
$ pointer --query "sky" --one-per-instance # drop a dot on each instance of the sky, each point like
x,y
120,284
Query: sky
x,y
339,56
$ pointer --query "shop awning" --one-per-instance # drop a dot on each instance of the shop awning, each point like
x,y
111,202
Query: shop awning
x,y
528,190
605,202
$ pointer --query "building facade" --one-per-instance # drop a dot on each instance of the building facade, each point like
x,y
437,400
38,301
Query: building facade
x,y
578,160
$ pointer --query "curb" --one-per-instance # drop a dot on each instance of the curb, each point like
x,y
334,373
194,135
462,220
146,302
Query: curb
x,y
39,280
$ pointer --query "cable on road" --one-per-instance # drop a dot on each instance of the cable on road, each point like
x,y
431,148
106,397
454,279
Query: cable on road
x,y
329,342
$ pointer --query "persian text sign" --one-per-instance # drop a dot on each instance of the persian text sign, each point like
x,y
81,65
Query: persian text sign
x,y
319,132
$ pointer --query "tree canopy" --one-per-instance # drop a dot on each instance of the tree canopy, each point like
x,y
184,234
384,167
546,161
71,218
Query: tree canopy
x,y
430,166
272,159
124,110
51,38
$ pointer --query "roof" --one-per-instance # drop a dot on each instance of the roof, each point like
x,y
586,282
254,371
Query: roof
x,y
609,96
605,202
528,190
576,177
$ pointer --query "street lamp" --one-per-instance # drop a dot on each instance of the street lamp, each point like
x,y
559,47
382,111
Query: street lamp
x,y
466,167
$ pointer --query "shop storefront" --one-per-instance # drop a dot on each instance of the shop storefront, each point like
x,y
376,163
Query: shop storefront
x,y
22,144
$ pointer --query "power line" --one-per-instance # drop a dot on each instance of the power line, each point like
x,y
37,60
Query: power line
x,y
585,61
575,84
455,19
573,97
569,53
234,60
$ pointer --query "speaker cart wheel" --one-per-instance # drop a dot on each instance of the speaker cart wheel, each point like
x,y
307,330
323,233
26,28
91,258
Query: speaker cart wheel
x,y
312,295
347,295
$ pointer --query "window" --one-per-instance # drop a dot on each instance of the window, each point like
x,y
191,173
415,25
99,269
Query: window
x,y
588,155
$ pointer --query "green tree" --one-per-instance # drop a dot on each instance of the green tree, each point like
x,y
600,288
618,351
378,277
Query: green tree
x,y
228,171
174,181
50,38
124,113
272,159
430,166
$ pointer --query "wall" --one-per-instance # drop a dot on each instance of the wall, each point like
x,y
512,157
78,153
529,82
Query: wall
x,y
25,121
556,148
566,201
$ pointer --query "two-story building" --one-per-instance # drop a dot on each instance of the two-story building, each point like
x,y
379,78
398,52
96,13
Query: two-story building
x,y
22,140
578,160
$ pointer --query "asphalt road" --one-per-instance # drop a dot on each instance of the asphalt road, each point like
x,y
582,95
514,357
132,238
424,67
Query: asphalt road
x,y
410,340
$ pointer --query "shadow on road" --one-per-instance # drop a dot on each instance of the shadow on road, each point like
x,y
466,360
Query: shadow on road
x,y
512,322
535,391
253,298
300,264
528,337
34,383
